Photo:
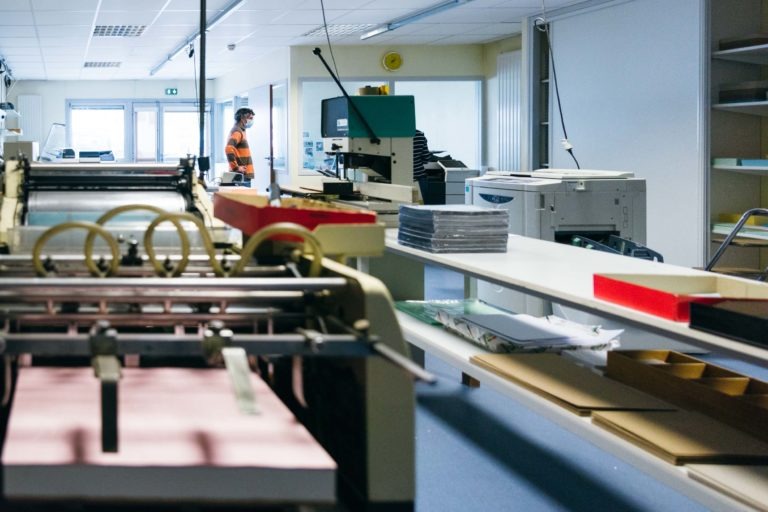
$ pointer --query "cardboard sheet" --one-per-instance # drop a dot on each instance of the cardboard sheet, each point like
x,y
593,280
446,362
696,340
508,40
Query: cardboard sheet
x,y
562,381
681,437
181,438
748,484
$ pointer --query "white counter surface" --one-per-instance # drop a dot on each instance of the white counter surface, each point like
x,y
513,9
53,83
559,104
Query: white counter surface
x,y
564,274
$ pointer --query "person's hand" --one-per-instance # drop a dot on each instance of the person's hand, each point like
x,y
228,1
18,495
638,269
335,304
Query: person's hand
x,y
243,169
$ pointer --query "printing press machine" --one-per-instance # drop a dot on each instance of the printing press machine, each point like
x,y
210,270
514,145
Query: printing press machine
x,y
152,369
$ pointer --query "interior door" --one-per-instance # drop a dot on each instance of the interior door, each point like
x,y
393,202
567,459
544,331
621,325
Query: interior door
x,y
259,136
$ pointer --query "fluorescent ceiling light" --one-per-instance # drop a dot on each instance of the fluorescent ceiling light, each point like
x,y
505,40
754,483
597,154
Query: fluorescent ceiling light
x,y
416,16
183,49
339,29
226,13
375,32
178,50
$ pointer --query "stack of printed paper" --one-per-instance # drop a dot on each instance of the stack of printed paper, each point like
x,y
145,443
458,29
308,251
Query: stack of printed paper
x,y
453,228
725,228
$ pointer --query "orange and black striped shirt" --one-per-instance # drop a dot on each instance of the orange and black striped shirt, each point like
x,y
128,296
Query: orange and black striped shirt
x,y
238,152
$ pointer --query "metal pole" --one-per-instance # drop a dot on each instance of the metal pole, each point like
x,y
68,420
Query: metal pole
x,y
374,138
203,26
740,224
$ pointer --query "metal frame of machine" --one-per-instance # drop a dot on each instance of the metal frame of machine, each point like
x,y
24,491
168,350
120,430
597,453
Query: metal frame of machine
x,y
86,187
373,135
323,335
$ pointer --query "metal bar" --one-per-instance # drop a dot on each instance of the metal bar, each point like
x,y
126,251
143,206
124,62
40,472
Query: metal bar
x,y
109,441
103,168
374,139
161,283
403,362
169,296
334,345
201,99
148,318
732,235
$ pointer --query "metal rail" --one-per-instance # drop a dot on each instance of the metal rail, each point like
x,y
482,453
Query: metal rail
x,y
169,345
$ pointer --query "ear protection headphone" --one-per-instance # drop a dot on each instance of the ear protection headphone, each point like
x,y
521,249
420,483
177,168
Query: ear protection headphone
x,y
242,112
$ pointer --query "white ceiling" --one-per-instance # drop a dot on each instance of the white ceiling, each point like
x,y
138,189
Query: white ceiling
x,y
52,39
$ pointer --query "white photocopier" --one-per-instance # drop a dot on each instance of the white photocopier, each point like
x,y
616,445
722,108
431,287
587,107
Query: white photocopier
x,y
555,205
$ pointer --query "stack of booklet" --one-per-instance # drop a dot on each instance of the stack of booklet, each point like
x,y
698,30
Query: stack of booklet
x,y
453,228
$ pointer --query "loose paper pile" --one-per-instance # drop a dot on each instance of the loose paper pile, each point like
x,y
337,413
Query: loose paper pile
x,y
525,333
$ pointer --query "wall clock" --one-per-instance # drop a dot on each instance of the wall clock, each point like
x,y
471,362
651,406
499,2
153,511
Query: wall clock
x,y
392,61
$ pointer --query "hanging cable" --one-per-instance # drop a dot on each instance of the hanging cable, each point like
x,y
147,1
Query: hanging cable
x,y
328,38
542,25
191,55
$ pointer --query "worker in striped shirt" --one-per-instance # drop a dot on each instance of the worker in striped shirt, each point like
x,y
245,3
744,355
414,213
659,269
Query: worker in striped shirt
x,y
421,156
237,150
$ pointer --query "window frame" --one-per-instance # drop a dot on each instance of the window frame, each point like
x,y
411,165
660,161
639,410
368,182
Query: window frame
x,y
130,106
392,84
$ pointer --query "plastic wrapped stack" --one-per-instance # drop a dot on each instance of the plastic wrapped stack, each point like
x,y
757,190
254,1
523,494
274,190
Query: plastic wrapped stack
x,y
453,228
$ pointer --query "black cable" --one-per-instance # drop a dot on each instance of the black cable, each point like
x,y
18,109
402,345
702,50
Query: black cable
x,y
328,38
191,55
542,25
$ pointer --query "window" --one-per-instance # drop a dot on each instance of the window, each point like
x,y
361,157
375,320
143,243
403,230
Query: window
x,y
98,128
146,128
139,130
226,120
448,112
312,94
279,127
181,133
455,130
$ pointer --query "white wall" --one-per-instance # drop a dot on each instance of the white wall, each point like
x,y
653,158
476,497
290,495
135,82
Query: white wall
x,y
630,76
271,68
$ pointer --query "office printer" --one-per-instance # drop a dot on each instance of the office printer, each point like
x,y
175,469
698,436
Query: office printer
x,y
555,205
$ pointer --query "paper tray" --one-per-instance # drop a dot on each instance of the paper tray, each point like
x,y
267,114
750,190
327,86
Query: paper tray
x,y
182,439
340,230
669,296
691,383
249,212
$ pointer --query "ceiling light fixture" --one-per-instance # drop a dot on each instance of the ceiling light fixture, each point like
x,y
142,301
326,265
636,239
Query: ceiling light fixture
x,y
226,13
410,18
182,48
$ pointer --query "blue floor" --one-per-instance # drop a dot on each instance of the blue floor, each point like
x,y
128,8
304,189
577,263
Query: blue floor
x,y
477,450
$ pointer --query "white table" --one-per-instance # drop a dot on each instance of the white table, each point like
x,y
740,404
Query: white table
x,y
563,274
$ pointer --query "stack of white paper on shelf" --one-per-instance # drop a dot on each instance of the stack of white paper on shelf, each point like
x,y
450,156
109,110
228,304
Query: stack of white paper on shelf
x,y
750,231
505,332
453,228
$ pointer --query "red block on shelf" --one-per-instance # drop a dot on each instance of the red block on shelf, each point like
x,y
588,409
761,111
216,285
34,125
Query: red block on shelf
x,y
667,296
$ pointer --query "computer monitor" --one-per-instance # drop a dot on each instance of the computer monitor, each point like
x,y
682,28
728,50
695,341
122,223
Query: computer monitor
x,y
334,117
